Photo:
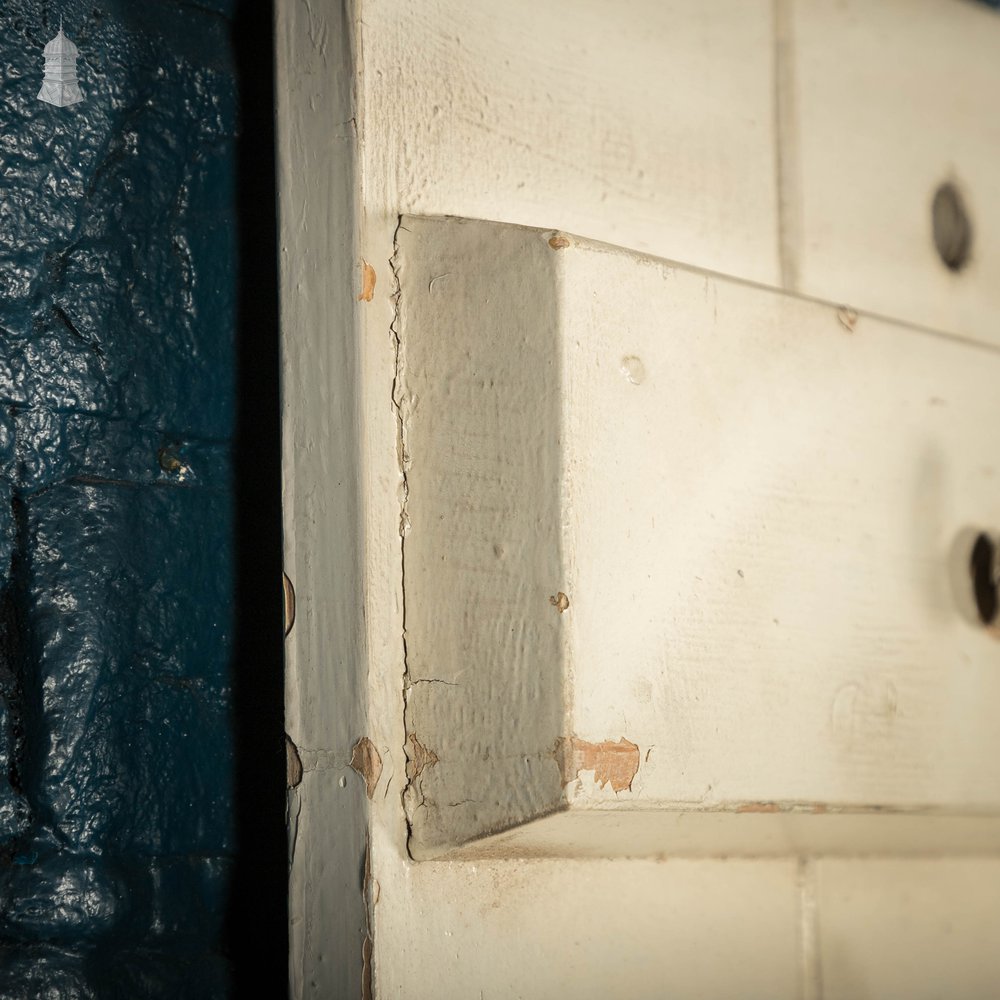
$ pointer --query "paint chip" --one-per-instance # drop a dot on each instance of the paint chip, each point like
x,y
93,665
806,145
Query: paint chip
x,y
558,242
614,764
559,601
367,282
293,763
366,761
418,757
848,318
633,369
289,603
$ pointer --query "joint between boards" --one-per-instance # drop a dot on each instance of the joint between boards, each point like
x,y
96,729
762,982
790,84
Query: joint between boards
x,y
811,986
786,153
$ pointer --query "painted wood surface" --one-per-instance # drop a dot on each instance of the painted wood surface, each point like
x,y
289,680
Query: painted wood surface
x,y
885,102
671,129
326,698
650,126
750,506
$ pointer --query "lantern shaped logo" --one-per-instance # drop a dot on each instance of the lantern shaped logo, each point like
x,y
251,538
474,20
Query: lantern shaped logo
x,y
60,86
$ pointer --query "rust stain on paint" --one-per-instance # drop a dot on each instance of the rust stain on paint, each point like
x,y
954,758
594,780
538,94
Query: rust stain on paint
x,y
848,318
559,601
614,764
366,761
418,758
293,762
367,281
558,242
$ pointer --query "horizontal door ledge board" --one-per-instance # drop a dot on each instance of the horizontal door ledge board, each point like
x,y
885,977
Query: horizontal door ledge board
x,y
670,537
694,833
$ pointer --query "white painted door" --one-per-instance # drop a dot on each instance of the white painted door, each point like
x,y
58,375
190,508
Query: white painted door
x,y
639,393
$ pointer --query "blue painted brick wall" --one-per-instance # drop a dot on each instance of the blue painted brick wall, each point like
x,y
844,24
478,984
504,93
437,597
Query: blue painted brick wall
x,y
117,297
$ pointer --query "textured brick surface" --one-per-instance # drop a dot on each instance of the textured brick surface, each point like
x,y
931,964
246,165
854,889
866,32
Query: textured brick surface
x,y
117,288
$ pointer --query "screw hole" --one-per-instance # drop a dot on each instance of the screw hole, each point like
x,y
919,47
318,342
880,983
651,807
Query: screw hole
x,y
951,226
982,567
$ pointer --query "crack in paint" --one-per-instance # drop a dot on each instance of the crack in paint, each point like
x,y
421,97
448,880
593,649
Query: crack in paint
x,y
400,405
420,758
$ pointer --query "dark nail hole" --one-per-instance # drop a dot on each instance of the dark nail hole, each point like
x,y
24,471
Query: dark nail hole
x,y
984,584
952,228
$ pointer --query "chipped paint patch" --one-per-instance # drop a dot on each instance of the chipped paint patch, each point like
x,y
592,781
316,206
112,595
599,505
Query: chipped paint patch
x,y
848,318
614,764
559,601
417,758
288,592
293,763
558,242
365,759
367,282
758,807
367,946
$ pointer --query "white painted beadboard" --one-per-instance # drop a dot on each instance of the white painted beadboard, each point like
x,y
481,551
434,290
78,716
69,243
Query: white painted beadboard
x,y
649,123
749,503
792,144
906,928
593,930
885,102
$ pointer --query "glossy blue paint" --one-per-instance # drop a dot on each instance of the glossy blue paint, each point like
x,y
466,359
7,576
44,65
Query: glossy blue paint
x,y
118,266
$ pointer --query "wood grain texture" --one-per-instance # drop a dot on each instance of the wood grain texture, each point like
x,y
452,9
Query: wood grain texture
x,y
743,830
592,930
326,698
648,125
523,112
759,542
892,99
749,507
479,392
905,927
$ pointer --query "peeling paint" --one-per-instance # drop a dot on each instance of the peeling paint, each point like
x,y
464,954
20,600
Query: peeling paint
x,y
367,761
559,601
417,758
614,764
289,603
367,282
366,968
558,242
368,943
293,763
758,807
848,318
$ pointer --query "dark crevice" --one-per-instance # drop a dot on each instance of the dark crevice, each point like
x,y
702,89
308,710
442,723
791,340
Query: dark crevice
x,y
21,686
256,917
60,315
12,670
984,584
21,652
256,930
